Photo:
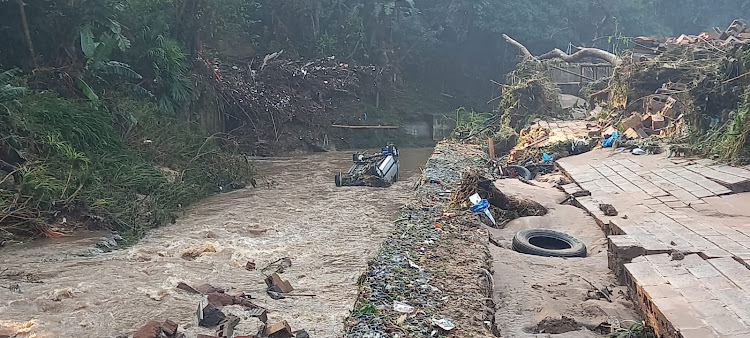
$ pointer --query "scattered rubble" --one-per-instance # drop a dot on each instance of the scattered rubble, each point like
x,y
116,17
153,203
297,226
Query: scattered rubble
x,y
154,329
450,248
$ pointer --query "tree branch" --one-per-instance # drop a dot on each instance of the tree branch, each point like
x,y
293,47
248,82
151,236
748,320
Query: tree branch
x,y
522,48
581,54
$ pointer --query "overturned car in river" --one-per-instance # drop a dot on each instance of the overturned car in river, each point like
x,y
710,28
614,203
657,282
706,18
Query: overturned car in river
x,y
375,170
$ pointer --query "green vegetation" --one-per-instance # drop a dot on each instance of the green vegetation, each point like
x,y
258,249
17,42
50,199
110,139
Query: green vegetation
x,y
66,158
117,88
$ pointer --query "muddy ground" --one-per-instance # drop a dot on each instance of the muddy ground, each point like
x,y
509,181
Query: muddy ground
x,y
533,293
328,233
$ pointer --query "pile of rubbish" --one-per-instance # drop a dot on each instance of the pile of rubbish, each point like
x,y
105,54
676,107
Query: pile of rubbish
x,y
737,32
289,105
689,93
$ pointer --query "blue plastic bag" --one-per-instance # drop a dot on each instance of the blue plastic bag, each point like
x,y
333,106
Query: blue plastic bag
x,y
607,142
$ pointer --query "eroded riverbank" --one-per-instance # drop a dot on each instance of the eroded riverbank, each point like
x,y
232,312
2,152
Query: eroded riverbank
x,y
329,233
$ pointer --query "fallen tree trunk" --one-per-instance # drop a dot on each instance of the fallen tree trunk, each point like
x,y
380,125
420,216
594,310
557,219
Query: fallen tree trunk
x,y
581,54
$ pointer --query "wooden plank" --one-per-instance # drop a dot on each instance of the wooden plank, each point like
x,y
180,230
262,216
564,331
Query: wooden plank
x,y
363,127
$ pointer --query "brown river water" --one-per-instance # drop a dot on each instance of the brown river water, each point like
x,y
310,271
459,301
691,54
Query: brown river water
x,y
329,233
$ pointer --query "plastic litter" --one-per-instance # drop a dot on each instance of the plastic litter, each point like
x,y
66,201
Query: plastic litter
x,y
480,205
444,324
607,142
546,157
402,307
638,151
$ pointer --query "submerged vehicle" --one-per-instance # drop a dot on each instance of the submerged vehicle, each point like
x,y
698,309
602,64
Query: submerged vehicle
x,y
376,170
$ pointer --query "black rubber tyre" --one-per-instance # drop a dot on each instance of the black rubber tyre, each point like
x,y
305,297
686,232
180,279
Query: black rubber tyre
x,y
548,243
518,171
337,179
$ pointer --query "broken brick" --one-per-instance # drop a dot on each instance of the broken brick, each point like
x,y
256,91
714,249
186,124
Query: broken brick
x,y
169,327
184,287
279,330
657,122
635,133
208,288
275,281
634,121
259,313
250,265
152,329
220,299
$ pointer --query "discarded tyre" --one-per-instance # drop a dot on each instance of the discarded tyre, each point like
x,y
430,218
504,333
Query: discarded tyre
x,y
548,243
518,171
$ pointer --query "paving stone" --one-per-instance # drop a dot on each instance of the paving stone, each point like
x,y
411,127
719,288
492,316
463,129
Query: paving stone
x,y
735,271
702,332
645,274
739,172
727,323
679,312
704,271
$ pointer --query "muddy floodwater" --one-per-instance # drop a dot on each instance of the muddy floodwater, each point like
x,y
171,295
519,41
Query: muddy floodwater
x,y
50,290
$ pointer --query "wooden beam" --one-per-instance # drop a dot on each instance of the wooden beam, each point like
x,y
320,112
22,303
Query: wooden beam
x,y
363,127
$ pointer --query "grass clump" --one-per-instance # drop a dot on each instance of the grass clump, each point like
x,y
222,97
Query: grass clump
x,y
123,167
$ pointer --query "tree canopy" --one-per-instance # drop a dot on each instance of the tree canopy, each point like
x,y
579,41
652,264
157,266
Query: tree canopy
x,y
462,39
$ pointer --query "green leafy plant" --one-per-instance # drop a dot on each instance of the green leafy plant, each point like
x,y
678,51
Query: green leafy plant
x,y
98,64
635,330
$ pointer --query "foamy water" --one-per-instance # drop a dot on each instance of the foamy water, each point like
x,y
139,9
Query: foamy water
x,y
329,233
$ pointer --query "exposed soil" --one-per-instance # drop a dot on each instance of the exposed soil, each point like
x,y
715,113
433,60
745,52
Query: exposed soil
x,y
557,325
534,293
328,233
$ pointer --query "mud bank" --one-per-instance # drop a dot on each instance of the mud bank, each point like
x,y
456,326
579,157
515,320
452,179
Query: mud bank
x,y
433,270
328,233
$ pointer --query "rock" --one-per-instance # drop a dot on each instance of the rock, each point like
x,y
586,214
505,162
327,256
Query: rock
x,y
301,334
608,209
210,316
279,330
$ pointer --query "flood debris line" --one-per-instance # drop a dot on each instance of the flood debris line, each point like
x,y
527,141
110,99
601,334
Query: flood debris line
x,y
285,105
685,95
431,277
